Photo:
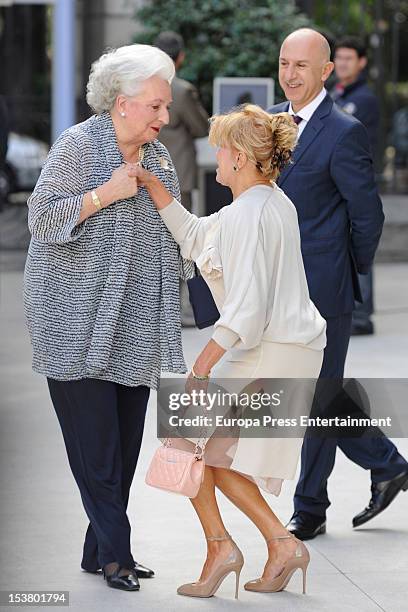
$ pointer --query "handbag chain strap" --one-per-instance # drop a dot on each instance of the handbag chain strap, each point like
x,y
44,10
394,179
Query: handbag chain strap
x,y
199,448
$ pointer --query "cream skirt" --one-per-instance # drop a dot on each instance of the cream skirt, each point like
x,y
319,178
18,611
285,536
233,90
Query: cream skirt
x,y
266,461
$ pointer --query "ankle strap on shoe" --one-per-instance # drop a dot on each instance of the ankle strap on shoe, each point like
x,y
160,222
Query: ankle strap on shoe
x,y
218,538
285,537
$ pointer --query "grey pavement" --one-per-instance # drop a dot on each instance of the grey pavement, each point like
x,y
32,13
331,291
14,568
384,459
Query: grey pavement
x,y
42,522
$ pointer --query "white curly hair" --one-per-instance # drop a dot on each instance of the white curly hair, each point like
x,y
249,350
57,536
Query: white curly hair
x,y
122,71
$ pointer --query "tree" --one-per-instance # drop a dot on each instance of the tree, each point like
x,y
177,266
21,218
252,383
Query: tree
x,y
223,37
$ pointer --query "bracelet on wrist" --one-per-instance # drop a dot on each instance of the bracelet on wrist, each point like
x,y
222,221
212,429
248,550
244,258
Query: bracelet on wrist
x,y
96,201
198,376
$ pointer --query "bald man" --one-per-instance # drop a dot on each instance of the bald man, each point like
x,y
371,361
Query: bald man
x,y
331,182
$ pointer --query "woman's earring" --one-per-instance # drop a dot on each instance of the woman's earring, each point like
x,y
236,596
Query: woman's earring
x,y
122,114
234,168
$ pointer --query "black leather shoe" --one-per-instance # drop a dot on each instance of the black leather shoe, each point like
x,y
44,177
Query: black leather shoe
x,y
141,571
362,329
305,526
129,582
382,494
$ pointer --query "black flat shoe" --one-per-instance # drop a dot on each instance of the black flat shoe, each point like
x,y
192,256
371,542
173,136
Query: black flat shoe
x,y
382,494
141,571
305,526
129,582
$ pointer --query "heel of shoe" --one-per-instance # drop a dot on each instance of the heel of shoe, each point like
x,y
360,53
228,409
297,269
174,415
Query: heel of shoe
x,y
304,568
237,575
405,485
304,563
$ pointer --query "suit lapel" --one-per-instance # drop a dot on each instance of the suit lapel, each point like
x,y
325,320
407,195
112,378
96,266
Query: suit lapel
x,y
312,129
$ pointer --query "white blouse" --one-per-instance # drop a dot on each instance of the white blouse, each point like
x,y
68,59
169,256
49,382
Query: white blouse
x,y
249,255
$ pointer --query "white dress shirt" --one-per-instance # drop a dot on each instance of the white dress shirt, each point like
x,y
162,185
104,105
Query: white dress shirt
x,y
307,111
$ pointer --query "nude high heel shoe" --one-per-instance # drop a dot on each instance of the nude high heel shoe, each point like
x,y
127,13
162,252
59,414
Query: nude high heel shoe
x,y
207,587
299,560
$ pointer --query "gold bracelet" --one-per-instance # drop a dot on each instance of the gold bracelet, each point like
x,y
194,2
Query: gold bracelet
x,y
198,377
96,200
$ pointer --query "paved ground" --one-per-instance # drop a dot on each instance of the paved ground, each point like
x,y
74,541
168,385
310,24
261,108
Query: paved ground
x,y
42,522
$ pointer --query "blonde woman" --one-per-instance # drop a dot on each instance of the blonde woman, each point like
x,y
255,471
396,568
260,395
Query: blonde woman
x,y
249,254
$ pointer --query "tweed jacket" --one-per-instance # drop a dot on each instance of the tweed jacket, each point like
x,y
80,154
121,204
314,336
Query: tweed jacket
x,y
102,297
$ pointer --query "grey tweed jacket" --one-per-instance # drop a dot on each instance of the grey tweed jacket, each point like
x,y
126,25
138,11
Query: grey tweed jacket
x,y
101,298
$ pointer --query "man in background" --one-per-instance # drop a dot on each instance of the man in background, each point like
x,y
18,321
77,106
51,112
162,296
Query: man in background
x,y
188,119
352,93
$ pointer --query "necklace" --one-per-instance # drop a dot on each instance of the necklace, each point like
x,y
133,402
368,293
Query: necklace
x,y
141,157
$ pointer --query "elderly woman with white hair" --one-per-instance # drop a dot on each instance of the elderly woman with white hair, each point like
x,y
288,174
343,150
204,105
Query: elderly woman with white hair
x,y
102,291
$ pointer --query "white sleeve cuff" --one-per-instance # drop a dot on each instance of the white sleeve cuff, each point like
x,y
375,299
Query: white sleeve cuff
x,y
225,337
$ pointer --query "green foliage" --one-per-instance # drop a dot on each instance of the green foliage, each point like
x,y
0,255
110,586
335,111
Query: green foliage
x,y
223,37
340,18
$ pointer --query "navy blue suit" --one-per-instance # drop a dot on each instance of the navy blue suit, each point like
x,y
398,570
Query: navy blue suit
x,y
331,183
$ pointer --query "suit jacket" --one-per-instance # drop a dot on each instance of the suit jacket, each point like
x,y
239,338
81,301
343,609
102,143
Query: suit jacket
x,y
331,183
188,120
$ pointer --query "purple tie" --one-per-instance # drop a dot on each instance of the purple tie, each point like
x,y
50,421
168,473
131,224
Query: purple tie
x,y
297,119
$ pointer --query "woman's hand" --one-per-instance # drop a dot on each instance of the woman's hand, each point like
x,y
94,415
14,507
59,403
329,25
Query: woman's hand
x,y
203,365
197,389
157,191
194,384
144,177
120,186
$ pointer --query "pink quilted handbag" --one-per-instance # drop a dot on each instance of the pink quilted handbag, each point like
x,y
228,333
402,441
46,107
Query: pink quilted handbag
x,y
177,471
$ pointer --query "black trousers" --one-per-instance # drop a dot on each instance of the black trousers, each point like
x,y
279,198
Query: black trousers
x,y
377,454
102,424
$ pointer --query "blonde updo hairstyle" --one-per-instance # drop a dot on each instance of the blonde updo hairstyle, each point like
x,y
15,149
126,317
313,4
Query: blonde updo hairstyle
x,y
267,140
